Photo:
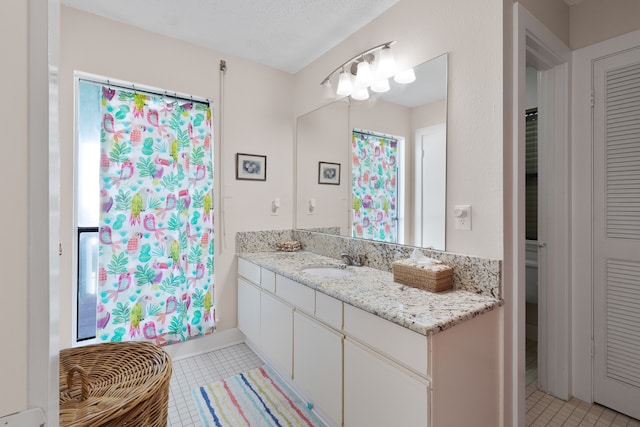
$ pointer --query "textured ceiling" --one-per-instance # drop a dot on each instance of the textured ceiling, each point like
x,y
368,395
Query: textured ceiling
x,y
283,34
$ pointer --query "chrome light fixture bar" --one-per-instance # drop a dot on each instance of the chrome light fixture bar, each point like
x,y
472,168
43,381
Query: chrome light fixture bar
x,y
360,67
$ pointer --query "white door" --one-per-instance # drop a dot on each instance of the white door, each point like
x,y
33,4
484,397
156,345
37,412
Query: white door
x,y
431,186
616,231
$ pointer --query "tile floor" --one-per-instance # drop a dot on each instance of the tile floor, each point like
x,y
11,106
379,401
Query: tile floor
x,y
200,370
542,409
545,410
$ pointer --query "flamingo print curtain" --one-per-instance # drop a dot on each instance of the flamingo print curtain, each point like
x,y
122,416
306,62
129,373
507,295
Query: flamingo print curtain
x,y
156,219
375,187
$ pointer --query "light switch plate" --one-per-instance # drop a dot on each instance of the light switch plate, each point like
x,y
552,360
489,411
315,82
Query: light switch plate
x,y
462,214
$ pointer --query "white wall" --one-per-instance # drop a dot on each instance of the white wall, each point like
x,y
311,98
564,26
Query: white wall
x,y
472,33
554,14
594,21
258,119
431,114
323,135
13,253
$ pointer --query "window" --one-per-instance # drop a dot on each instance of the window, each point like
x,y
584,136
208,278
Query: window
x,y
144,215
87,207
531,180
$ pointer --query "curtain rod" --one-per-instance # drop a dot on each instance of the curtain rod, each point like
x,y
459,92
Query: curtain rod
x,y
145,90
377,134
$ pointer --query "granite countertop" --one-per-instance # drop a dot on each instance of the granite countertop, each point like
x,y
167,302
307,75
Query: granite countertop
x,y
375,291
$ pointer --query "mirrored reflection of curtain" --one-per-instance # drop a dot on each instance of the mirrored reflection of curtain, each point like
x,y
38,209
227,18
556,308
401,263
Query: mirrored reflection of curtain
x,y
156,219
375,186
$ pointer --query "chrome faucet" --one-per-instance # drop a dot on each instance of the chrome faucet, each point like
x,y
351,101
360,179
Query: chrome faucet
x,y
355,260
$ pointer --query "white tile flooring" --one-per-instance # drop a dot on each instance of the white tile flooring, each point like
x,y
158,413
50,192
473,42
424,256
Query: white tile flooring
x,y
200,370
545,410
542,409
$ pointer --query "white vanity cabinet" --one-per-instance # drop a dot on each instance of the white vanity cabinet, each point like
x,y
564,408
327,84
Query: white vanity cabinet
x,y
358,369
276,336
249,310
378,392
317,365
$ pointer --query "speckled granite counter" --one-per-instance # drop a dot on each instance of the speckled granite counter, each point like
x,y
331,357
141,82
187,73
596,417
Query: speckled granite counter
x,y
375,292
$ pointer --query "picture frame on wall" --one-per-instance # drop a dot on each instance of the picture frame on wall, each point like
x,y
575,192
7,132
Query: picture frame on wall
x,y
251,167
329,173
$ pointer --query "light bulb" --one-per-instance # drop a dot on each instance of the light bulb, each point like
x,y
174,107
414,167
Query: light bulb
x,y
327,90
386,63
406,76
364,76
344,84
380,86
360,94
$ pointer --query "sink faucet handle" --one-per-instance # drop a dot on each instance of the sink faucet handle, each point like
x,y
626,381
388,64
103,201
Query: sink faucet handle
x,y
355,260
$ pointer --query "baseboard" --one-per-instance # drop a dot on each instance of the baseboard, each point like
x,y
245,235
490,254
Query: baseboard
x,y
196,346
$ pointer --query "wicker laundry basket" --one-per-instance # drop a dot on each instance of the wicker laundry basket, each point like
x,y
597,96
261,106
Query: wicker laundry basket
x,y
114,384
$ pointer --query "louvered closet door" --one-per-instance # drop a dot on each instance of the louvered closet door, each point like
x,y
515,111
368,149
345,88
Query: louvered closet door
x,y
616,231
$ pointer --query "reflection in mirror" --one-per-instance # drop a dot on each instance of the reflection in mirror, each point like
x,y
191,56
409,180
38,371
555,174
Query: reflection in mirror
x,y
392,152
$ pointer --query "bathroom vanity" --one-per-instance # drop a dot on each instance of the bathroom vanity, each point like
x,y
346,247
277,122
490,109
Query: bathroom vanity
x,y
366,351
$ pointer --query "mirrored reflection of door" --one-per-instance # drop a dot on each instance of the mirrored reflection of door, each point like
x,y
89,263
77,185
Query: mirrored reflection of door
x,y
430,186
375,186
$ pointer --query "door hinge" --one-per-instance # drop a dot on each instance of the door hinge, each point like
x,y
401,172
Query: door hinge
x,y
593,98
60,249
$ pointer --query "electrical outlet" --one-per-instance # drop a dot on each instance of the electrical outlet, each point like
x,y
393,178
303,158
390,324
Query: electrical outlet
x,y
462,214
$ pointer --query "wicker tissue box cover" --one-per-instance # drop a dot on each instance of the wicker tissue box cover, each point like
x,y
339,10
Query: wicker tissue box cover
x,y
435,277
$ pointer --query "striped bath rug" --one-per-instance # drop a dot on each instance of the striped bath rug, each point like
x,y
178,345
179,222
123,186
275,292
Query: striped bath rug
x,y
254,398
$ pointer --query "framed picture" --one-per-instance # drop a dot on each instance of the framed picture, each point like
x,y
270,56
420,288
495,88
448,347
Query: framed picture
x,y
329,173
251,167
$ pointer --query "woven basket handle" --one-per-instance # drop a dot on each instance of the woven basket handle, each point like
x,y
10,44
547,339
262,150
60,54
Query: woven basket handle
x,y
83,379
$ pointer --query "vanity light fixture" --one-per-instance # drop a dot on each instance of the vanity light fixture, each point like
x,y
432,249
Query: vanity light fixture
x,y
386,63
345,87
364,76
405,77
367,71
381,86
360,94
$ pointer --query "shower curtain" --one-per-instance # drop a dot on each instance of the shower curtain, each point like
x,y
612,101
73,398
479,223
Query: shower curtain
x,y
156,219
375,186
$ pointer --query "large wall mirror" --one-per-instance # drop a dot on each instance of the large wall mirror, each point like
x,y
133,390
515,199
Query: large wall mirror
x,y
376,169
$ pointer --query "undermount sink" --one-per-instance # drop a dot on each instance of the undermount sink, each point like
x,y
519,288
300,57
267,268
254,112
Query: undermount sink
x,y
327,271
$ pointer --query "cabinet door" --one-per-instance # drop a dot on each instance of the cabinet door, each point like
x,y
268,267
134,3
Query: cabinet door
x,y
379,393
317,365
249,311
276,333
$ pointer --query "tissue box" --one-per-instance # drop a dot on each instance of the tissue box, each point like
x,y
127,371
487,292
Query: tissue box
x,y
433,277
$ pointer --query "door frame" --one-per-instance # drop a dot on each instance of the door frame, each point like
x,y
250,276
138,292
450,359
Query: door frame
x,y
533,43
582,189
43,222
439,130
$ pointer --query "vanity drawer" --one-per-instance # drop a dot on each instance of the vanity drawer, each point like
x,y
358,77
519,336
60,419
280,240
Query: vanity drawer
x,y
329,310
405,346
268,280
249,271
294,293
